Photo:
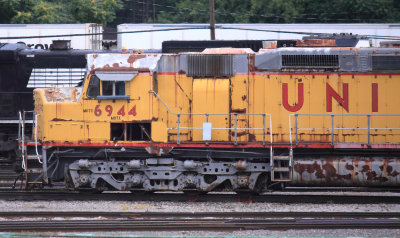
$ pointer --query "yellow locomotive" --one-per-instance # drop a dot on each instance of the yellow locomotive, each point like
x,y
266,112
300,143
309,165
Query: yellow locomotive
x,y
223,119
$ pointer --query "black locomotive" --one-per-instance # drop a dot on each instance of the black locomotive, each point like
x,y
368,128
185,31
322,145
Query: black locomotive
x,y
21,70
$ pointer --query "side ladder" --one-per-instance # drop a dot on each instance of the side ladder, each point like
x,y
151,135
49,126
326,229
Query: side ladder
x,y
32,160
281,167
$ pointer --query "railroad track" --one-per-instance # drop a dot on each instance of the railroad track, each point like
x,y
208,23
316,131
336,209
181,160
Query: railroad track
x,y
275,197
9,178
108,221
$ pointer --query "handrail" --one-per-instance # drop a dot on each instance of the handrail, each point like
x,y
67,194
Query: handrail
x,y
21,136
333,128
21,139
36,142
178,128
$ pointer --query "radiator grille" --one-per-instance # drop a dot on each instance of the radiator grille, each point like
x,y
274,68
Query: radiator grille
x,y
386,62
210,65
320,61
56,77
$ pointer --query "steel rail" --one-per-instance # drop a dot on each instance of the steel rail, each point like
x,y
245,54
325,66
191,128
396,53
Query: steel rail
x,y
281,197
199,215
198,221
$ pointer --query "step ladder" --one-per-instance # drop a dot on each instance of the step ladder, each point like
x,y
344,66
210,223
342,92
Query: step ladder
x,y
32,161
33,171
281,167
33,165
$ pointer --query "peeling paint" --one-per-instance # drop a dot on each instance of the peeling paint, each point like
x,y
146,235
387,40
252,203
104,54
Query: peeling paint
x,y
346,171
133,61
62,94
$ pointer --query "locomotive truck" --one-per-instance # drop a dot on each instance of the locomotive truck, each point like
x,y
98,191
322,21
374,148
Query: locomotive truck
x,y
313,113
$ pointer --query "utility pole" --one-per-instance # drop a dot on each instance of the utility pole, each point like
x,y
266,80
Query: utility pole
x,y
147,11
133,11
154,11
212,20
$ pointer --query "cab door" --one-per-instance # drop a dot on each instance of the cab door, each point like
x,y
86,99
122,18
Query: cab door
x,y
96,127
211,96
105,106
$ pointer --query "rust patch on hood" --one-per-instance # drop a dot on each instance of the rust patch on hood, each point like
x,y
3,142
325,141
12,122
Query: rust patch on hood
x,y
123,62
158,150
134,57
228,51
62,94
316,43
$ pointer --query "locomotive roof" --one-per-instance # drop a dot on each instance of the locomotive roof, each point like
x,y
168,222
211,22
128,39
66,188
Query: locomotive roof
x,y
337,59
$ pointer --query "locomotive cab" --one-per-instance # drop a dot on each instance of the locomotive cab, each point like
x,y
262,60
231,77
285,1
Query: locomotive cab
x,y
109,98
112,106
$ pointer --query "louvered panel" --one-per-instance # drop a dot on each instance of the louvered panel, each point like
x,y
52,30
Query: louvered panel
x,y
310,61
387,62
56,77
210,65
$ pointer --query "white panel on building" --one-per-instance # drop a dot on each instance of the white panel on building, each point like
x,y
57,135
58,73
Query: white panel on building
x,y
77,42
153,40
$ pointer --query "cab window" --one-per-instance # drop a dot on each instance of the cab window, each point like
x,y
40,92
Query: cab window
x,y
94,87
113,88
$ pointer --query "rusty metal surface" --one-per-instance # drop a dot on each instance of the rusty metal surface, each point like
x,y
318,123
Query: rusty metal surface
x,y
228,51
210,65
62,94
121,62
390,44
316,43
157,150
350,59
347,171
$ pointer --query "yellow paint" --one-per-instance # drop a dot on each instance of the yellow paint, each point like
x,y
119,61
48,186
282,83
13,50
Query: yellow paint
x,y
159,131
211,96
251,94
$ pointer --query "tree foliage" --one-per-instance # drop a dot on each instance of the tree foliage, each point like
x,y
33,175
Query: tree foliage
x,y
197,11
268,11
58,11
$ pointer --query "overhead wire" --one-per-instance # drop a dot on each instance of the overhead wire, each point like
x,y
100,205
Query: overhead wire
x,y
177,10
188,28
270,15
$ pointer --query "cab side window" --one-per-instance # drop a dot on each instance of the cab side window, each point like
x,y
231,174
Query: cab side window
x,y
94,87
120,88
107,88
113,88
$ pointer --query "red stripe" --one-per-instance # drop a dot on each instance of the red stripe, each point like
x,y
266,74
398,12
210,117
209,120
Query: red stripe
x,y
287,73
222,145
169,73
312,73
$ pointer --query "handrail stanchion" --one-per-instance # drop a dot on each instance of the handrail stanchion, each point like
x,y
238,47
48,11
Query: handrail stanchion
x,y
332,128
211,127
263,116
369,129
290,131
270,128
178,121
235,129
270,136
296,129
21,140
36,141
